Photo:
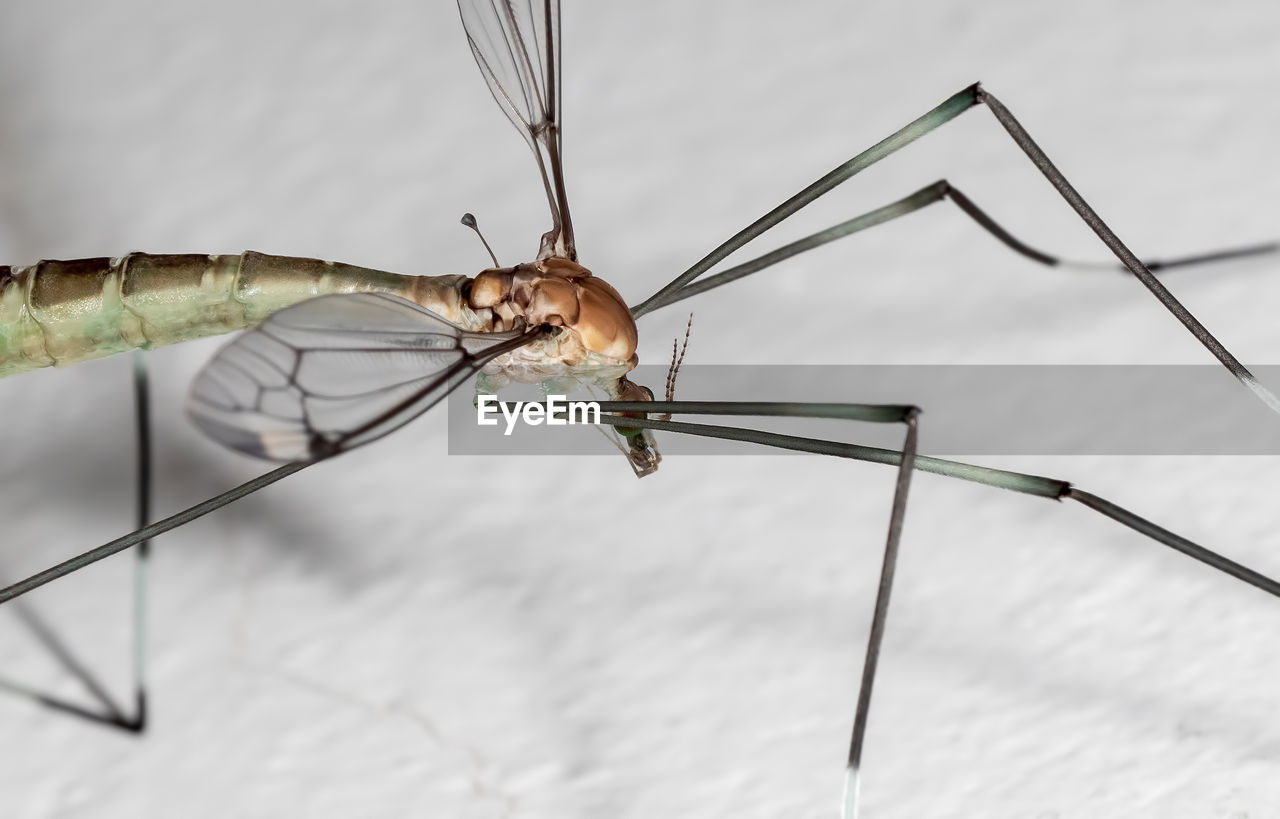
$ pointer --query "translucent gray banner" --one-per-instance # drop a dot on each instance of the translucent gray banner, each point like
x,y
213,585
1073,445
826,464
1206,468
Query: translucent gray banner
x,y
967,410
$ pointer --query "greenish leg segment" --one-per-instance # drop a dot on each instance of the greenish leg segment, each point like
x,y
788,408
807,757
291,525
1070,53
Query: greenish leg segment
x,y
1003,479
950,108
908,204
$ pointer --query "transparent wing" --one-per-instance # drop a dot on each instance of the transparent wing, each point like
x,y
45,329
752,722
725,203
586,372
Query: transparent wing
x,y
510,44
516,44
333,373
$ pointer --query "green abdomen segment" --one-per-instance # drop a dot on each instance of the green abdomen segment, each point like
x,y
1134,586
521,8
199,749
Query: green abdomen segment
x,y
55,313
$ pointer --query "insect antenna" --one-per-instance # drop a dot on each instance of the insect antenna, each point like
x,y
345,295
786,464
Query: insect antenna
x,y
469,220
677,358
676,361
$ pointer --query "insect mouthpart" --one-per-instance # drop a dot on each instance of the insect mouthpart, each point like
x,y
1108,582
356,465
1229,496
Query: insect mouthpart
x,y
642,455
642,451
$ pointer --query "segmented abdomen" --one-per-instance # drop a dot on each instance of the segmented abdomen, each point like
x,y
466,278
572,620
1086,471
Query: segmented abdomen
x,y
55,313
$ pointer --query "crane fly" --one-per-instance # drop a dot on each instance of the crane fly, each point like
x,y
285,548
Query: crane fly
x,y
553,243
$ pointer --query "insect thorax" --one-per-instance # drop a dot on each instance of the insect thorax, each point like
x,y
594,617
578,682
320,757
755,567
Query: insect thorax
x,y
596,340
594,344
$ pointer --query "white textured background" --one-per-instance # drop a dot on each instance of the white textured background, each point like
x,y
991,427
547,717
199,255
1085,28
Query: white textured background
x,y
400,633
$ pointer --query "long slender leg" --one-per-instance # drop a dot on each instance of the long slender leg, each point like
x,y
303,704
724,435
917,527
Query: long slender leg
x,y
1018,246
142,400
150,531
1123,253
937,192
948,110
907,415
880,615
108,712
